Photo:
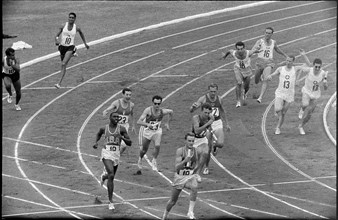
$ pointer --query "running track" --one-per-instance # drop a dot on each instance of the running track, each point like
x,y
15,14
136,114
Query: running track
x,y
192,58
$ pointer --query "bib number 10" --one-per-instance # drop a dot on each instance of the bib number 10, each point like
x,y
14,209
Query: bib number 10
x,y
68,40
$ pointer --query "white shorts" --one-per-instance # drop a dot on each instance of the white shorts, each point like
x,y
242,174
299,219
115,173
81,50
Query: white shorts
x,y
311,95
240,74
199,141
181,180
111,155
216,125
288,97
153,135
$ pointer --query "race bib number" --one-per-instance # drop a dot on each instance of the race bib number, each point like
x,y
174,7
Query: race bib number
x,y
215,111
123,119
315,86
185,172
155,125
113,148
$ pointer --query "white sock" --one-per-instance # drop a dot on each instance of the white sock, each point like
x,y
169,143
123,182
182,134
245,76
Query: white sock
x,y
191,206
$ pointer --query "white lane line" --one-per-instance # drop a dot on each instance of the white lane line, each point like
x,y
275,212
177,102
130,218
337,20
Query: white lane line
x,y
75,87
115,81
51,185
268,143
146,42
113,96
43,108
41,212
326,110
249,209
164,24
171,213
158,76
47,146
47,87
79,171
263,192
260,24
304,200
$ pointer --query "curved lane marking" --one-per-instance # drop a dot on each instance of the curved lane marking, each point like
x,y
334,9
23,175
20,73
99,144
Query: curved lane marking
x,y
113,96
267,141
43,108
29,122
326,126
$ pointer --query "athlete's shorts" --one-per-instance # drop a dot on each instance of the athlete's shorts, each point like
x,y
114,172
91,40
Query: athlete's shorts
x,y
14,77
241,74
288,97
217,125
308,95
153,135
110,155
200,141
64,49
180,181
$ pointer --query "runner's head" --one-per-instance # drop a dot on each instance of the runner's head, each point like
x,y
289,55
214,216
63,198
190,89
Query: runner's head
x,y
240,47
71,17
126,92
189,139
114,118
206,109
157,100
317,64
213,90
289,61
268,33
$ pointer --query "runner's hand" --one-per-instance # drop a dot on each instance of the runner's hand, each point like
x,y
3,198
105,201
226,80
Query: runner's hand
x,y
167,126
95,145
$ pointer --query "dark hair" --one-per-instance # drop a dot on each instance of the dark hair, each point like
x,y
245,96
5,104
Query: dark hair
x,y
240,43
270,28
293,57
125,90
213,85
72,13
206,105
318,61
111,114
189,134
157,97
9,51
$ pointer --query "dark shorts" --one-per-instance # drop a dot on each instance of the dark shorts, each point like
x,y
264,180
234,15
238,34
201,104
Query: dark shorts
x,y
14,77
64,49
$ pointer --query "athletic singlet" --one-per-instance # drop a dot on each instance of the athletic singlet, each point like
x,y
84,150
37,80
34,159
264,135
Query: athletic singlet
x,y
123,112
287,79
113,140
155,120
68,37
242,64
312,81
267,51
189,166
216,106
200,124
7,69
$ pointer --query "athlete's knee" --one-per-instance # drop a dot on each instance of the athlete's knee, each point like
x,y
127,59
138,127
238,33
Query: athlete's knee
x,y
111,176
